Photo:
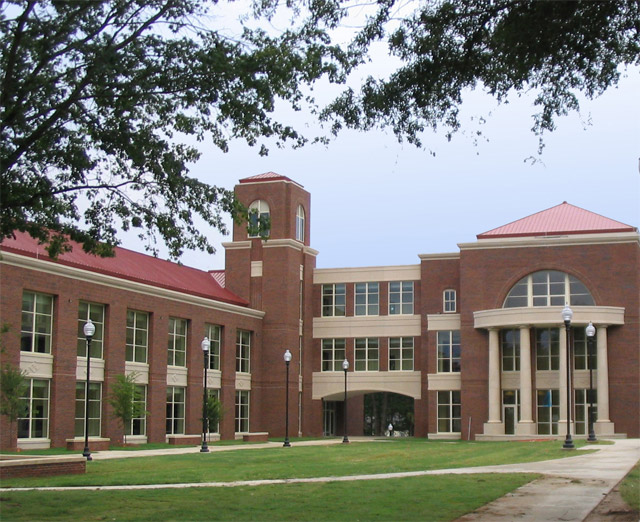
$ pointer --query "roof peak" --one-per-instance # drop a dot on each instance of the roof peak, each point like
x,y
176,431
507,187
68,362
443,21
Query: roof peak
x,y
267,177
562,219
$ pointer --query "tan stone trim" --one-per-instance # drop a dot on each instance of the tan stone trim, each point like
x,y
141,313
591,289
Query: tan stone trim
x,y
366,326
443,321
256,268
562,240
330,385
96,370
262,182
78,274
237,245
37,365
176,376
444,381
547,315
141,370
445,256
243,381
366,274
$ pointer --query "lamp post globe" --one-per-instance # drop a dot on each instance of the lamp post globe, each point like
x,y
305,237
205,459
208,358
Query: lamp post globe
x,y
590,330
205,345
567,315
345,367
89,331
287,360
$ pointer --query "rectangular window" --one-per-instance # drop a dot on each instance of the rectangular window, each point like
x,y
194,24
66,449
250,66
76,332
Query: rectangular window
x,y
242,411
333,353
214,333
95,408
334,300
175,410
582,397
37,322
137,336
401,354
547,348
177,345
449,412
401,298
35,425
216,395
449,301
138,425
581,359
367,355
548,412
367,298
548,288
510,350
448,351
95,313
243,351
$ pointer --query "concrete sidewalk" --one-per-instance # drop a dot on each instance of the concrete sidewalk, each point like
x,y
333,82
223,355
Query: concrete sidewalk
x,y
569,490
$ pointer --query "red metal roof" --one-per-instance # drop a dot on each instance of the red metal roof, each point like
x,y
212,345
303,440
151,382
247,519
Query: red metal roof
x,y
267,176
131,266
562,219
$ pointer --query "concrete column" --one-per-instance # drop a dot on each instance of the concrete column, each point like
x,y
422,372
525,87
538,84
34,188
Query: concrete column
x,y
603,426
494,426
562,381
526,425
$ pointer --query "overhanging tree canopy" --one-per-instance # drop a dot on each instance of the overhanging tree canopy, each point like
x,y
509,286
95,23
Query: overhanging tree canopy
x,y
98,98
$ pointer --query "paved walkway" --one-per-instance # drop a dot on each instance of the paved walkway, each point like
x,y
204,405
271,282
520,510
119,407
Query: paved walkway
x,y
569,490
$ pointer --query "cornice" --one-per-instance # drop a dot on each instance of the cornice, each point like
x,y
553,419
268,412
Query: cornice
x,y
547,241
10,258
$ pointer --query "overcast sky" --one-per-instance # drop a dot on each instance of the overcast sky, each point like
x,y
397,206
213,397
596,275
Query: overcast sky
x,y
377,202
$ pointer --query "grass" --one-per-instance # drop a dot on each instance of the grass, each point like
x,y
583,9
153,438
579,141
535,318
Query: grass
x,y
422,498
300,461
630,488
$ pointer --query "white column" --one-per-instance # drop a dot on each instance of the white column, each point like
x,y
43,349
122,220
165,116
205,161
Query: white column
x,y
526,425
603,426
494,426
562,381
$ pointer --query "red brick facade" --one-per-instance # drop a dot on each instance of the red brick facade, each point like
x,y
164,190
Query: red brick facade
x,y
278,280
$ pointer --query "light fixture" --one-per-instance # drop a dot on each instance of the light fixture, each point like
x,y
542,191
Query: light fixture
x,y
567,315
89,330
205,345
590,330
345,367
287,360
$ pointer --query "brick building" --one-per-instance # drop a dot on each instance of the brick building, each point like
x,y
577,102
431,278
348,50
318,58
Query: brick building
x,y
473,342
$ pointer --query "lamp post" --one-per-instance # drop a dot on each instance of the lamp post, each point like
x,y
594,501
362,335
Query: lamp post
x,y
345,367
287,444
89,329
567,315
205,344
591,332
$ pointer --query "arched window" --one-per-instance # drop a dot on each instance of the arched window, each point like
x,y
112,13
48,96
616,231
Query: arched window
x,y
548,288
259,216
300,224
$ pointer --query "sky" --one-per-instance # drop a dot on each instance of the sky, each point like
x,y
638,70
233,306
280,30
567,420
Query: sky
x,y
376,202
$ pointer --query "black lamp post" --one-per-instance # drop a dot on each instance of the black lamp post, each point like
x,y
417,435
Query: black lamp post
x,y
567,315
345,367
89,329
287,444
591,332
205,344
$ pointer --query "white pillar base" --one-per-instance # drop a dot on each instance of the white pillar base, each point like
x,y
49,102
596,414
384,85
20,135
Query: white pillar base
x,y
604,428
562,428
526,428
494,428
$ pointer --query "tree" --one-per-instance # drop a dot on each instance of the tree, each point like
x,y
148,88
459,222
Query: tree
x,y
98,100
13,386
555,49
213,411
125,400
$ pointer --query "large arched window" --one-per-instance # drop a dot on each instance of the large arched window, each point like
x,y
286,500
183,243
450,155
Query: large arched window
x,y
300,224
259,217
548,288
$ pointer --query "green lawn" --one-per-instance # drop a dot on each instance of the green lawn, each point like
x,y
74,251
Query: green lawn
x,y
423,498
443,497
302,461
630,488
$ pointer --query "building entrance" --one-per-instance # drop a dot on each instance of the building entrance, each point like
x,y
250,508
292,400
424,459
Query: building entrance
x,y
382,409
